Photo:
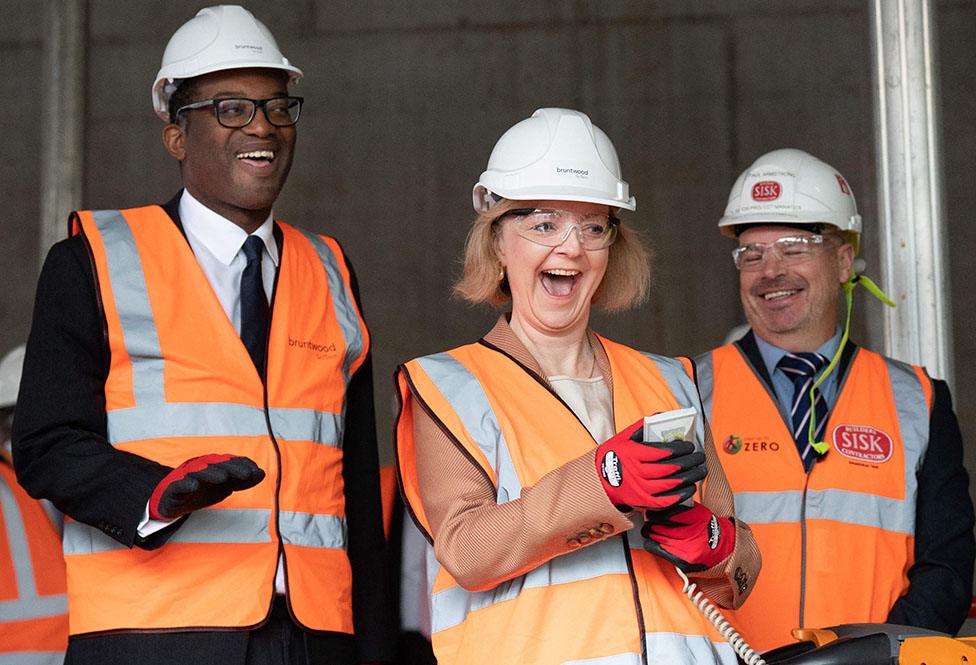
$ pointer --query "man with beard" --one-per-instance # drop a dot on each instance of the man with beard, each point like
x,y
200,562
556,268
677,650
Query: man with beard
x,y
197,395
846,464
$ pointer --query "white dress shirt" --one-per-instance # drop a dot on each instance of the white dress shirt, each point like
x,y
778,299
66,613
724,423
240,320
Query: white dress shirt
x,y
217,246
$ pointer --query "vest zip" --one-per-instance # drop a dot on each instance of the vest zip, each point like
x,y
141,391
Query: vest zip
x,y
641,628
277,449
803,545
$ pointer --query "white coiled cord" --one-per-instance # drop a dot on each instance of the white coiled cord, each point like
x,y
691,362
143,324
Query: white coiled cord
x,y
722,625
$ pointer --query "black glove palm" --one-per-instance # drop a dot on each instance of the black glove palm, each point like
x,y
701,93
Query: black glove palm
x,y
200,482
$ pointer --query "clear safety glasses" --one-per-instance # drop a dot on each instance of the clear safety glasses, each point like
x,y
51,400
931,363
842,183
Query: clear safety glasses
x,y
238,112
789,250
551,228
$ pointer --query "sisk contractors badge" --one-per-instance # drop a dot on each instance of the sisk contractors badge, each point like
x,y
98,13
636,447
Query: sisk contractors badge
x,y
863,443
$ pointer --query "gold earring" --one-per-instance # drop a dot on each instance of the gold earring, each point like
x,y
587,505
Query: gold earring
x,y
501,273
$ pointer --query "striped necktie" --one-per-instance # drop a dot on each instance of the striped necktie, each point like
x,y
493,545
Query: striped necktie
x,y
802,368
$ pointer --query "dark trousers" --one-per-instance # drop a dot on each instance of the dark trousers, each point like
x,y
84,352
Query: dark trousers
x,y
276,642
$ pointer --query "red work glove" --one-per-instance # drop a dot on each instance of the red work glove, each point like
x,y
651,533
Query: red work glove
x,y
693,538
200,482
647,475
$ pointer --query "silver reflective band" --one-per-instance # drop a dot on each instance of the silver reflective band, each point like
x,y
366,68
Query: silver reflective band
x,y
28,605
309,530
452,605
677,649
705,373
189,419
836,505
33,658
683,389
466,394
211,525
132,302
17,539
342,302
34,607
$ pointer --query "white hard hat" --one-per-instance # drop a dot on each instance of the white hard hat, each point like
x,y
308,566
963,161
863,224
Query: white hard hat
x,y
11,367
217,38
555,154
791,186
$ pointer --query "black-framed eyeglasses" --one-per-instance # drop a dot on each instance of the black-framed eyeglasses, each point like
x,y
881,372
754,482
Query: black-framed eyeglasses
x,y
551,228
237,112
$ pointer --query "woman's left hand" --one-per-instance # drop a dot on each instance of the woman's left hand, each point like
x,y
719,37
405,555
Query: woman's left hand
x,y
693,538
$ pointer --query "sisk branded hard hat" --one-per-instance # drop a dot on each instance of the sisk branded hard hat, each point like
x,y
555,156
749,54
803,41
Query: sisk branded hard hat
x,y
556,154
11,367
789,186
216,39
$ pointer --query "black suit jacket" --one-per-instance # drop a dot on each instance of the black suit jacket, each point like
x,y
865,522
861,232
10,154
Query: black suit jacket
x,y
61,453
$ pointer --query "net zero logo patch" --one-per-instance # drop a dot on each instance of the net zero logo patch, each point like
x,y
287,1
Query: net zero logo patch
x,y
766,190
733,444
863,443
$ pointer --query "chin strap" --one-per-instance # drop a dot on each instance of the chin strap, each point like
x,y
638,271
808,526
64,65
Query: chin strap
x,y
821,446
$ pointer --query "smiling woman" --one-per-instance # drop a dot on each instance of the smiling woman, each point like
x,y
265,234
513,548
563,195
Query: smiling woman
x,y
499,447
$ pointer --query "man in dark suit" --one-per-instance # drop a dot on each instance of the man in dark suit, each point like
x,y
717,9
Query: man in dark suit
x,y
197,395
846,464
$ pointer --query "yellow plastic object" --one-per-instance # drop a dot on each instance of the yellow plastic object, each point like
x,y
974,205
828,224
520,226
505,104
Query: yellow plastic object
x,y
937,651
819,636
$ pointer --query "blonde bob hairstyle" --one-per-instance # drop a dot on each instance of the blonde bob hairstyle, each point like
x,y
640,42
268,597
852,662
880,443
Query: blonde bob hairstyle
x,y
625,283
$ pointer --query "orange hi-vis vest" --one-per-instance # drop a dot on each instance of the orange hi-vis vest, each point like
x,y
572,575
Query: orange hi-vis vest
x,y
610,602
33,603
181,384
836,542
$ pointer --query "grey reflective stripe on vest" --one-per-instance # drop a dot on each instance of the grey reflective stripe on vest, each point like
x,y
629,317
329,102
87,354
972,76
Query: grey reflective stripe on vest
x,y
683,389
705,373
28,604
33,658
465,393
831,504
310,530
452,605
678,649
153,417
179,419
132,299
913,425
210,525
342,302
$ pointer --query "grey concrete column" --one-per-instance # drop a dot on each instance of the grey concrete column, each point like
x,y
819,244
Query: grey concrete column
x,y
62,116
910,185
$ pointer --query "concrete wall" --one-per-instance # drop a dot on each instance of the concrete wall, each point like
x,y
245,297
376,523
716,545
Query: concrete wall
x,y
405,100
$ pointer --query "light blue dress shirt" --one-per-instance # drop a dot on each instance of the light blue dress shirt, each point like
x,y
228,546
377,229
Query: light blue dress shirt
x,y
783,385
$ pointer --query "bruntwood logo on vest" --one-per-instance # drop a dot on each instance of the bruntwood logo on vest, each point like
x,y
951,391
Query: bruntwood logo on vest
x,y
320,350
735,444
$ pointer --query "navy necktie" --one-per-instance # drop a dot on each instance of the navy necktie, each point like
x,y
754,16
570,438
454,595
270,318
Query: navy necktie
x,y
802,369
254,304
